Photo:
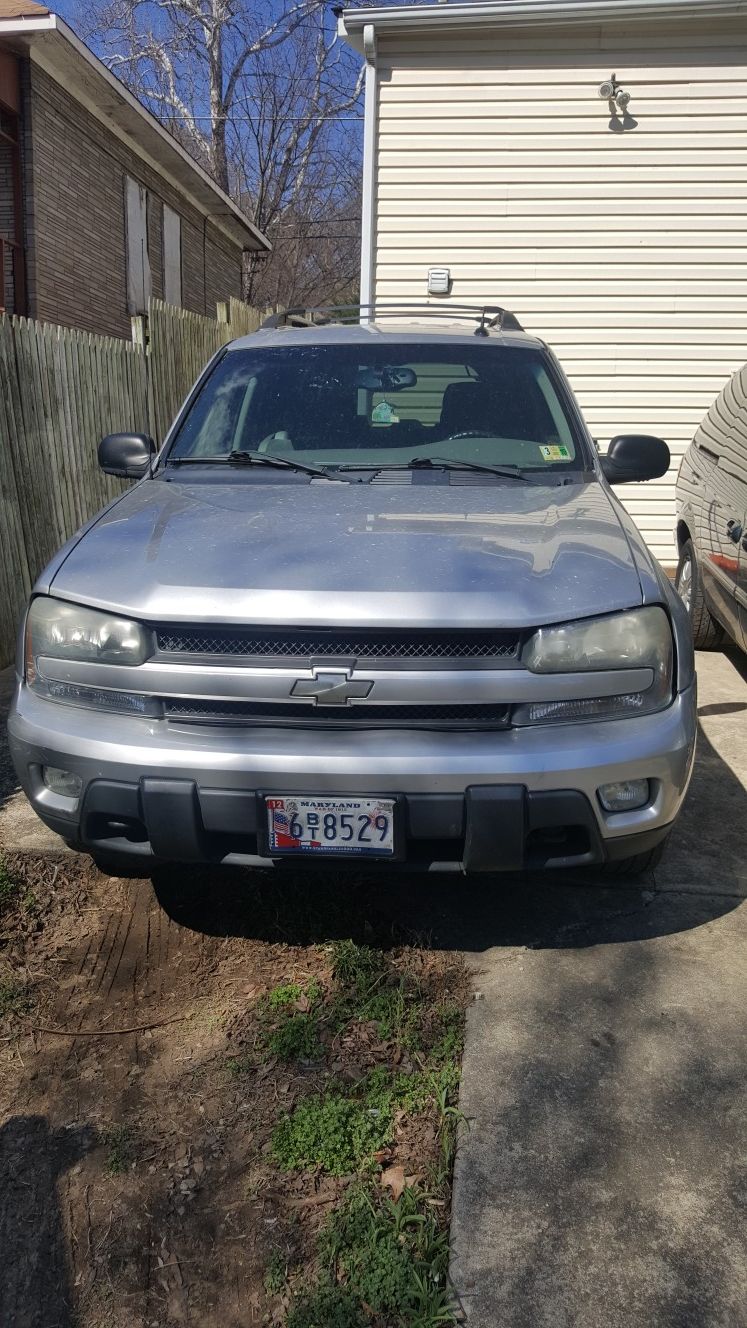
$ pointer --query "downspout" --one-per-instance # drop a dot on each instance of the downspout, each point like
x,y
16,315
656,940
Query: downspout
x,y
368,211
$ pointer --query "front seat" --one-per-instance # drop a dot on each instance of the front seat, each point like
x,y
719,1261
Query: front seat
x,y
468,406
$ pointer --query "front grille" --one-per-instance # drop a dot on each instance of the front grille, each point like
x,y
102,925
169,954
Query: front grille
x,y
338,717
303,645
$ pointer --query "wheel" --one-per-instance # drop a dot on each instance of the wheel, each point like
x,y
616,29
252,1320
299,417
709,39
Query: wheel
x,y
638,863
707,632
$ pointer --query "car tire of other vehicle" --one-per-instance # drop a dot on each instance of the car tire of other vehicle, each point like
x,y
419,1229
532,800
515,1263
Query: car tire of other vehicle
x,y
638,863
707,632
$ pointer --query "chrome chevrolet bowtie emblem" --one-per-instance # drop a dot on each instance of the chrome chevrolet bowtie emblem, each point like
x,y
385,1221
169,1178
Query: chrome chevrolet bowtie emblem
x,y
331,687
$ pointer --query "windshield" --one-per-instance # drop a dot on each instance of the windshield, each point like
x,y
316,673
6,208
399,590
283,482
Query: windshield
x,y
389,404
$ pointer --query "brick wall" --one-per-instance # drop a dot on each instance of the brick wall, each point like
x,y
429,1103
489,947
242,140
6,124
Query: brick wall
x,y
75,221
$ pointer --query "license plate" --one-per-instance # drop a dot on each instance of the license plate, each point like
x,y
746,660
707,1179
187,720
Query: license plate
x,y
342,826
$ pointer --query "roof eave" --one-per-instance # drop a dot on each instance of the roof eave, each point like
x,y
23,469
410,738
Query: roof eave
x,y
399,19
50,42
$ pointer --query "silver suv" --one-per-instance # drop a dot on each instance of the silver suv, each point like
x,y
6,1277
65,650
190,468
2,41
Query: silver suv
x,y
373,599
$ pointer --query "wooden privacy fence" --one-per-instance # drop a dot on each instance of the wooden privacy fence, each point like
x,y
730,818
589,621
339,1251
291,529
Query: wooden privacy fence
x,y
60,391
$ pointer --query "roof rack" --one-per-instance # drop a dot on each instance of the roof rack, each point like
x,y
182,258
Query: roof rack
x,y
489,318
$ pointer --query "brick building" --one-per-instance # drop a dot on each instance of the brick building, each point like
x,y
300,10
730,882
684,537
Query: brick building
x,y
99,206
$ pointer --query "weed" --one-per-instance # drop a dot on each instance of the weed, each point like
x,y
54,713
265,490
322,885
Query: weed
x,y
288,993
410,1092
393,1256
297,1039
357,967
337,1133
275,1275
120,1142
284,995
30,903
14,998
329,1306
447,1032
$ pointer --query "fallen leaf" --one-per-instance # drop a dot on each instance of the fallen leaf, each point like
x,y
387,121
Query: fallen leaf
x,y
394,1179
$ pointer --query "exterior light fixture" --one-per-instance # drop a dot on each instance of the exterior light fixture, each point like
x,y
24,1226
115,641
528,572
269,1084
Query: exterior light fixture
x,y
439,280
612,92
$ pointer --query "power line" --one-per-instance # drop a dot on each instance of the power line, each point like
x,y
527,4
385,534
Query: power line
x,y
231,119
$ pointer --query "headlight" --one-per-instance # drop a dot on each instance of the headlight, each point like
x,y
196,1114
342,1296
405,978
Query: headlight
x,y
69,631
638,639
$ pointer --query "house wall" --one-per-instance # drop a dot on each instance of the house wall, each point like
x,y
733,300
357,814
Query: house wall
x,y
75,221
625,248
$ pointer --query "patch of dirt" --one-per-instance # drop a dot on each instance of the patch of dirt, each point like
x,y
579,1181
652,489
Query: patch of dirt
x,y
138,1187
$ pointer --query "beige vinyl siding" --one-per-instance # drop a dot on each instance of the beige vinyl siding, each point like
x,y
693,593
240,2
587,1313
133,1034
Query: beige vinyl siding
x,y
626,251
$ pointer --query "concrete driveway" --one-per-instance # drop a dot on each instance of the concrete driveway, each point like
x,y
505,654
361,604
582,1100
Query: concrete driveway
x,y
603,1178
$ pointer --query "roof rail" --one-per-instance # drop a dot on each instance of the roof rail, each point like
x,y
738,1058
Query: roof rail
x,y
488,317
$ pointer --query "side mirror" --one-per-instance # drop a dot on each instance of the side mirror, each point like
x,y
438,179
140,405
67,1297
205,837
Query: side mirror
x,y
635,456
126,455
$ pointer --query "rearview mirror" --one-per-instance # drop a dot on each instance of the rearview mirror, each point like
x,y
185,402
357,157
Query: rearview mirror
x,y
635,456
388,378
126,455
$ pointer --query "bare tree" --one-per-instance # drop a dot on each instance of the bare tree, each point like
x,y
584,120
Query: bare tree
x,y
187,58
267,98
295,145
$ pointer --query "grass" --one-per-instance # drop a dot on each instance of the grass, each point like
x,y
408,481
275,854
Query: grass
x,y
330,1131
275,1274
119,1141
284,995
287,1031
297,1039
330,1306
357,967
380,1259
393,1254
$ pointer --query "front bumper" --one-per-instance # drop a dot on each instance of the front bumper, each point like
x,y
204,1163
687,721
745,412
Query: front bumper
x,y
521,798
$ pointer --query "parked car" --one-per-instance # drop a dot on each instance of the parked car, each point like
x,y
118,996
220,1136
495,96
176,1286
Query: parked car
x,y
373,600
712,521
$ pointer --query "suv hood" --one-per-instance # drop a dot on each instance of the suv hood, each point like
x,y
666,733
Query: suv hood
x,y
409,554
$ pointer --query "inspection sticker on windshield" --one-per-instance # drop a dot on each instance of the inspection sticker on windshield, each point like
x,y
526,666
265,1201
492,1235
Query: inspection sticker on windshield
x,y
555,452
331,825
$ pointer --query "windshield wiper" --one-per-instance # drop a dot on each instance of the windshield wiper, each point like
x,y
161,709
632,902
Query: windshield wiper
x,y
444,463
248,458
267,459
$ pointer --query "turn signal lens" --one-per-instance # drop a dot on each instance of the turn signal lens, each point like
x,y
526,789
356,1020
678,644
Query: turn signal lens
x,y
98,698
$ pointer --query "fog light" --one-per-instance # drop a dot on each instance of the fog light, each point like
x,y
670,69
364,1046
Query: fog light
x,y
624,796
63,782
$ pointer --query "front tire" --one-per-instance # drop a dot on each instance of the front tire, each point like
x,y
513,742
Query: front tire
x,y
707,632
